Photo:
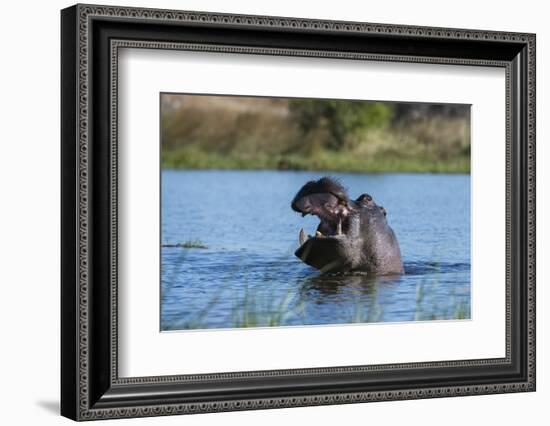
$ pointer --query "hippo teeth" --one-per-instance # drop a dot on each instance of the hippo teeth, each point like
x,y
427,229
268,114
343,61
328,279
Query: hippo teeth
x,y
339,228
318,234
302,236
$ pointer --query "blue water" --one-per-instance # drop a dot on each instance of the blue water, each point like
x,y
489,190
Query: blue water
x,y
248,274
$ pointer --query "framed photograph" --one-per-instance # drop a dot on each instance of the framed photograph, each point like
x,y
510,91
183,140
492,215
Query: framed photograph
x,y
263,212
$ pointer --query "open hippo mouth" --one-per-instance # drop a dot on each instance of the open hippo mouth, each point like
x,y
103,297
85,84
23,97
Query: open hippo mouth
x,y
352,234
328,200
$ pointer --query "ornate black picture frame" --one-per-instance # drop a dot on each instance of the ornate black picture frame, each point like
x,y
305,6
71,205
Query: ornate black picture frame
x,y
91,36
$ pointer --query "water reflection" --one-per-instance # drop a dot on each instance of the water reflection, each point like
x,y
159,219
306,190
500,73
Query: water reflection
x,y
358,283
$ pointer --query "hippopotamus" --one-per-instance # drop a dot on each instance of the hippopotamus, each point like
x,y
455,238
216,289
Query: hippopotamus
x,y
353,235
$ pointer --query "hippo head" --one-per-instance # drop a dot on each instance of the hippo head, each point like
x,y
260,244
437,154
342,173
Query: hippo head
x,y
353,235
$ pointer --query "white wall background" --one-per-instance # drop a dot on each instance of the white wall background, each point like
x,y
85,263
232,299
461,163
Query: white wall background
x,y
29,212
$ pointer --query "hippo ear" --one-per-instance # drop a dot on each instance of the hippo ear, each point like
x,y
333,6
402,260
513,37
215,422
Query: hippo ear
x,y
364,198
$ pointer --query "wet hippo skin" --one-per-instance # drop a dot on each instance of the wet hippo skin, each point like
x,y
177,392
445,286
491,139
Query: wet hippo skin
x,y
353,235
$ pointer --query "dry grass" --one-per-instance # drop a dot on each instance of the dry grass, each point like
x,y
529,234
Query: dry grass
x,y
256,135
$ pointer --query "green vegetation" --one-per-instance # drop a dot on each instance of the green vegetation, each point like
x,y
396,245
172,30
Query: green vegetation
x,y
259,309
429,308
208,132
343,121
198,244
250,313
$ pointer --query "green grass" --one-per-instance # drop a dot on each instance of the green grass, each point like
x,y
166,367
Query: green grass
x,y
428,308
251,313
259,310
189,244
194,158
